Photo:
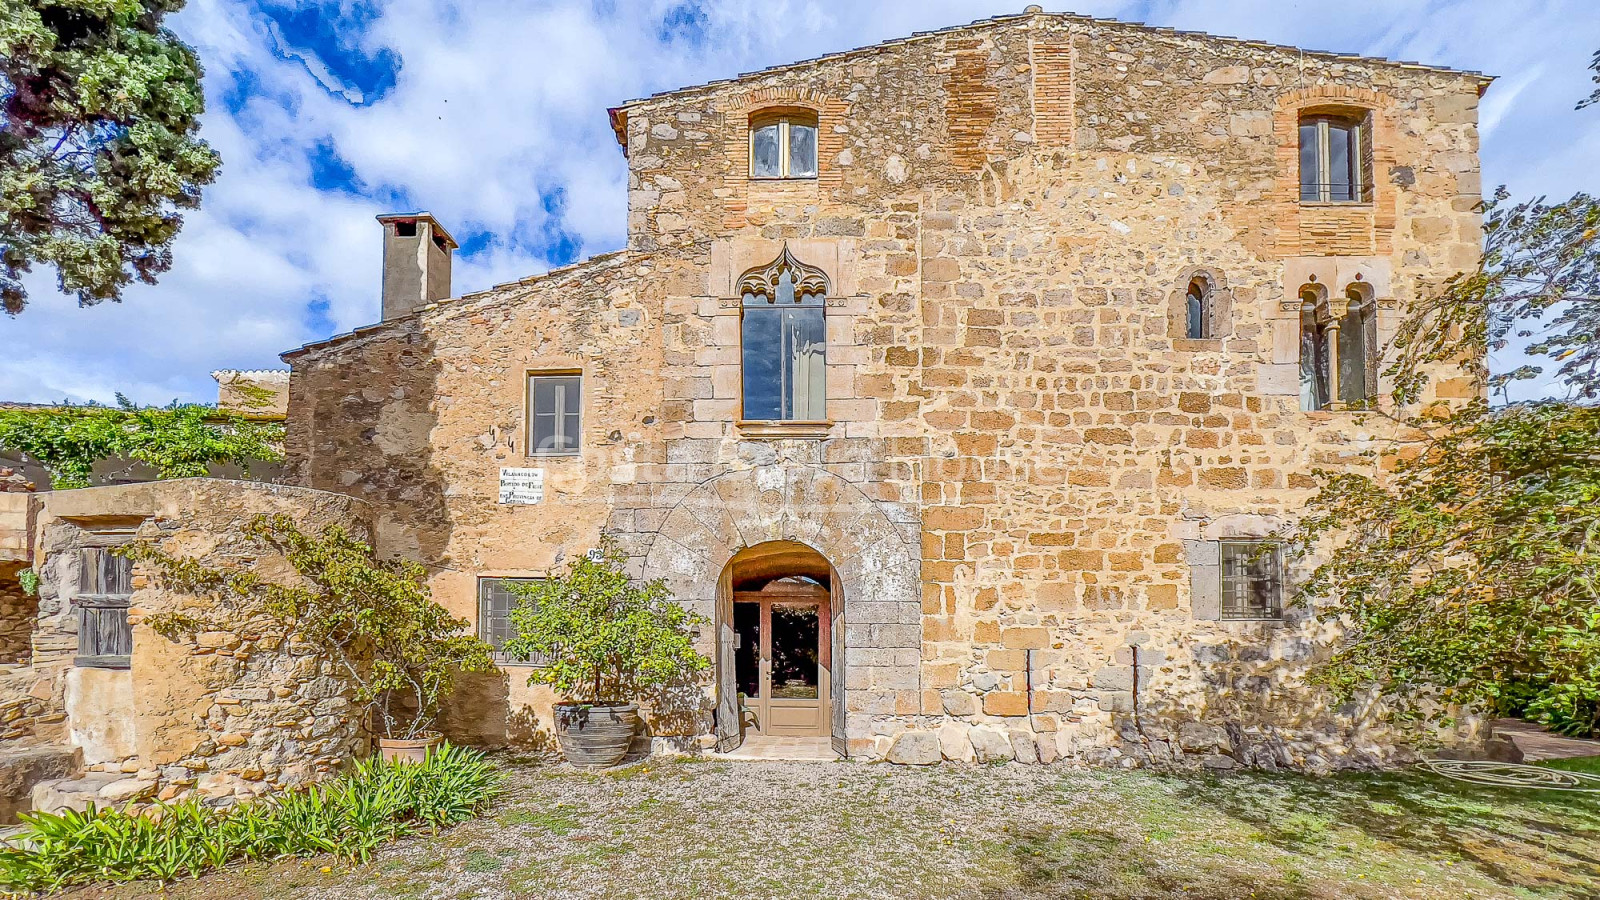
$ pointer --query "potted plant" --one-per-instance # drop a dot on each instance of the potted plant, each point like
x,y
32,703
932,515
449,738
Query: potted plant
x,y
397,649
603,640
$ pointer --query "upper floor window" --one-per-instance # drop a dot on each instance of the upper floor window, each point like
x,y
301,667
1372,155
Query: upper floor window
x,y
1337,349
783,145
105,639
1335,159
1252,580
783,337
1198,310
554,413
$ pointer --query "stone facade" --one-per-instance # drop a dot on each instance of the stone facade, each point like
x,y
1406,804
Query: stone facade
x,y
227,714
1026,466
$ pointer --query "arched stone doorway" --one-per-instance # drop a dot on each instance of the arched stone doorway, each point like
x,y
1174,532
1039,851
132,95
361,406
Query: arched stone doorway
x,y
875,587
781,600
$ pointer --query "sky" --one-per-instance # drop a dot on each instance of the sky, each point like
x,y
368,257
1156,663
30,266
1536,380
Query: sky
x,y
492,115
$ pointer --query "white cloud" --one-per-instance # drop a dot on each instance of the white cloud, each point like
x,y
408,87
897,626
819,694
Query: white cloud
x,y
501,104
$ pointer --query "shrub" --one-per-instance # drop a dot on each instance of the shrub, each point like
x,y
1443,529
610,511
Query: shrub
x,y
375,618
605,637
348,817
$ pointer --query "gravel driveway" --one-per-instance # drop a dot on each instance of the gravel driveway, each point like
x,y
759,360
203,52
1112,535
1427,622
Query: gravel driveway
x,y
696,829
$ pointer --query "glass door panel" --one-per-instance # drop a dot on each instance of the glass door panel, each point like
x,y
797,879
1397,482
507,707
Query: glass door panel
x,y
795,642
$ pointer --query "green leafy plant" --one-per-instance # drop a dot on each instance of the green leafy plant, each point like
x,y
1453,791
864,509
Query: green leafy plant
x,y
376,619
350,817
604,637
1471,572
182,440
28,579
101,105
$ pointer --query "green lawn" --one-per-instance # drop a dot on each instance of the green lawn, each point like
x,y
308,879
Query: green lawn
x,y
686,829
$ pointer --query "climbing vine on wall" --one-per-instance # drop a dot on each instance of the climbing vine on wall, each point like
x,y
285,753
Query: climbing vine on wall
x,y
181,440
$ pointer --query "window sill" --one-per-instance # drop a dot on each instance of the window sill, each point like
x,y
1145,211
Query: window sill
x,y
102,662
1241,620
782,179
1345,409
577,454
1197,345
1338,204
809,430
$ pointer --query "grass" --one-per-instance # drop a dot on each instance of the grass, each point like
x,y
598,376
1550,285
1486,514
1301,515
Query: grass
x,y
682,830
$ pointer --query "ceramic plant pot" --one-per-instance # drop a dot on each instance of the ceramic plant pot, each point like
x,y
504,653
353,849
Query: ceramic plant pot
x,y
596,735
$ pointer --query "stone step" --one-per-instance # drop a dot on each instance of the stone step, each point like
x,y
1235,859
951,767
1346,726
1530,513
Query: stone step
x,y
24,768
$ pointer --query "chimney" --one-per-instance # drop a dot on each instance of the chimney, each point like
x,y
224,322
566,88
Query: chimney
x,y
416,262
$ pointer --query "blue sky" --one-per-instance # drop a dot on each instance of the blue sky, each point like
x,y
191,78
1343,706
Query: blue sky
x,y
492,116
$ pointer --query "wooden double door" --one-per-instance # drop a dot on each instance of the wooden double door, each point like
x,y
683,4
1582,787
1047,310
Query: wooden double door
x,y
782,659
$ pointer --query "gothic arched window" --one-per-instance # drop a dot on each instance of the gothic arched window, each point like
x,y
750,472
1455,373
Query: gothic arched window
x,y
783,338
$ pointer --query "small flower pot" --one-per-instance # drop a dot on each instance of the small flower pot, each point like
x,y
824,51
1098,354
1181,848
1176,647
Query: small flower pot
x,y
596,735
409,750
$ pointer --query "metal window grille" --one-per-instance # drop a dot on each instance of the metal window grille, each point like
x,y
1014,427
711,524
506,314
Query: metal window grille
x,y
1252,580
495,604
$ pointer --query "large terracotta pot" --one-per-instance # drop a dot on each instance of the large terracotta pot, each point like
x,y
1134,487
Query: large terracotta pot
x,y
409,750
596,735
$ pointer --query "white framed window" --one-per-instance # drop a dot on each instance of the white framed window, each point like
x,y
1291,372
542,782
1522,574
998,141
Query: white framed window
x,y
783,145
495,604
555,413
783,338
1252,580
105,639
1335,159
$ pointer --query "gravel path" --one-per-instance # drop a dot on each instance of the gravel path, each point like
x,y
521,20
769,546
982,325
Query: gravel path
x,y
694,829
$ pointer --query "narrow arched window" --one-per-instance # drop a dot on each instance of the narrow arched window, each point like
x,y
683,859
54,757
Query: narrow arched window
x,y
1357,338
1198,304
1313,351
783,144
783,338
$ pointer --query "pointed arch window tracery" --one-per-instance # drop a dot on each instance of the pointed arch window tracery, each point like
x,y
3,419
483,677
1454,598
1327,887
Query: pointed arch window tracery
x,y
783,341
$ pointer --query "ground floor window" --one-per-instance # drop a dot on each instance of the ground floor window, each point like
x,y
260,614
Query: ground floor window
x,y
105,639
1252,580
495,603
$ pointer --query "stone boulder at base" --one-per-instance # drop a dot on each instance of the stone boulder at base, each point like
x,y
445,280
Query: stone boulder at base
x,y
991,745
915,748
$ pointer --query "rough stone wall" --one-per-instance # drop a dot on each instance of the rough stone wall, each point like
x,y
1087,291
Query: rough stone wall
x,y
1009,215
227,714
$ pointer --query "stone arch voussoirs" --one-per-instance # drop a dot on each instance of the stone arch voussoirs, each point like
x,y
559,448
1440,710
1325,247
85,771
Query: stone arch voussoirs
x,y
879,570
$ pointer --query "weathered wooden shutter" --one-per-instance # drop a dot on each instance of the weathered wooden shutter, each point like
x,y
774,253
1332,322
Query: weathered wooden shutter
x,y
729,717
836,667
1368,190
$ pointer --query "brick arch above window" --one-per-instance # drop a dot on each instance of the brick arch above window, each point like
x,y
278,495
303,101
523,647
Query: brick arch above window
x,y
738,110
1218,300
1358,229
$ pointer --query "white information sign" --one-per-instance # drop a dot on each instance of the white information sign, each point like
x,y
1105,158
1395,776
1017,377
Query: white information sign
x,y
521,486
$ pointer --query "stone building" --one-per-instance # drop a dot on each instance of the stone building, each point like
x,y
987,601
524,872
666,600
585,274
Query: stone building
x,y
1005,341
956,380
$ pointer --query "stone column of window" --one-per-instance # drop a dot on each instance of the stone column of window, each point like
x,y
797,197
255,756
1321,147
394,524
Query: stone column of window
x,y
1337,307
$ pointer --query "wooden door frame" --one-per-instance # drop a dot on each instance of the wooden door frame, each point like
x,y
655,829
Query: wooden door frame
x,y
789,594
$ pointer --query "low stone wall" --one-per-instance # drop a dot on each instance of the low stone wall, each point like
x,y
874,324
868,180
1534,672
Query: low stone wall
x,y
227,714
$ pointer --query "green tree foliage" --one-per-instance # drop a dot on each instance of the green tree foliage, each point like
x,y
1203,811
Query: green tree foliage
x,y
349,817
98,147
182,440
374,618
1469,572
604,637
